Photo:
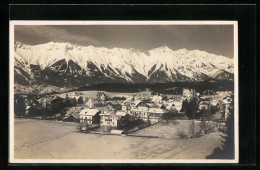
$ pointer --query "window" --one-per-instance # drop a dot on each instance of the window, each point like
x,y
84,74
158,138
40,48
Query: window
x,y
101,122
113,123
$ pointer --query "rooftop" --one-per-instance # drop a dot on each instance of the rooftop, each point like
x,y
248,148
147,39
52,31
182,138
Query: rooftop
x,y
90,112
121,113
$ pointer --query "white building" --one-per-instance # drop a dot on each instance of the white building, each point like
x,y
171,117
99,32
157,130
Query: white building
x,y
146,113
130,103
156,99
88,115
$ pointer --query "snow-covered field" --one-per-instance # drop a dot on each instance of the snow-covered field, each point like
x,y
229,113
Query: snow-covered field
x,y
92,94
42,139
169,130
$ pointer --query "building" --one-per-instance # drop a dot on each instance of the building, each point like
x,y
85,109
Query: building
x,y
175,105
73,117
72,114
227,102
111,119
121,113
92,104
156,99
130,103
188,94
144,95
89,115
146,113
114,104
204,105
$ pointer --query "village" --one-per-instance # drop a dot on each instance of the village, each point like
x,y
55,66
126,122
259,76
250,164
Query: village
x,y
101,113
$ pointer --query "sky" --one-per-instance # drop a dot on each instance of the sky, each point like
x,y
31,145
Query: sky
x,y
216,39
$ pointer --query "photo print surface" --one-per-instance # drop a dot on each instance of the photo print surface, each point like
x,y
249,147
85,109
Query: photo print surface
x,y
123,92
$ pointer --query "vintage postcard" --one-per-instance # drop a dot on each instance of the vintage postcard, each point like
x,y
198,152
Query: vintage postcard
x,y
123,92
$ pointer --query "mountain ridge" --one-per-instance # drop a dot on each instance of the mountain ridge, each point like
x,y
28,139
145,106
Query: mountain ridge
x,y
64,64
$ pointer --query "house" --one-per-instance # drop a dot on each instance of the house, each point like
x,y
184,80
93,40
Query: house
x,y
143,104
91,104
109,120
89,116
156,98
121,113
227,100
204,105
177,105
72,114
155,114
145,113
173,98
73,117
114,104
130,103
144,96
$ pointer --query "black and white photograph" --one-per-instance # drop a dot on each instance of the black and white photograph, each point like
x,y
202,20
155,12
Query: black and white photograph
x,y
123,92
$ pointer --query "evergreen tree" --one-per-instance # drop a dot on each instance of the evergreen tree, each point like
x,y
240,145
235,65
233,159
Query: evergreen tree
x,y
228,134
184,105
80,100
192,108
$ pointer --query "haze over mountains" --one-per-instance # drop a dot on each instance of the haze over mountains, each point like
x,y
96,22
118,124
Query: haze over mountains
x,y
64,64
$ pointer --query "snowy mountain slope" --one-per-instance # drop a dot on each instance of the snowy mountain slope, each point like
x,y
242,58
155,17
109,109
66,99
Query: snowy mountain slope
x,y
64,63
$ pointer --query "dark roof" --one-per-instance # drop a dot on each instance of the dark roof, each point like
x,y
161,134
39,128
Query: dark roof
x,y
203,103
76,115
112,113
113,102
102,109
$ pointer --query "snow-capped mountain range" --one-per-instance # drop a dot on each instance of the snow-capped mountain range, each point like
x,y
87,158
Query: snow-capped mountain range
x,y
63,63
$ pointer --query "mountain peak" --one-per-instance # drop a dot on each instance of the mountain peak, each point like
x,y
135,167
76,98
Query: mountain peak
x,y
160,64
162,49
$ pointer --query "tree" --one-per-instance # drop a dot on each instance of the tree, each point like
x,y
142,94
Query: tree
x,y
165,98
228,133
96,118
205,125
99,96
214,109
184,105
19,107
167,117
118,98
128,122
191,109
80,100
192,128
181,134
57,106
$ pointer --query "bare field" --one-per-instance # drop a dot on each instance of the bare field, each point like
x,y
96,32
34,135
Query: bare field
x,y
43,139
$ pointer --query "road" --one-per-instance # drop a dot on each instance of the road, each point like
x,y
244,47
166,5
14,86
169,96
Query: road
x,y
43,139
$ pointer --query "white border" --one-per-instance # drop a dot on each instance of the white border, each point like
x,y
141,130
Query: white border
x,y
11,91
